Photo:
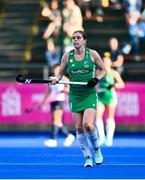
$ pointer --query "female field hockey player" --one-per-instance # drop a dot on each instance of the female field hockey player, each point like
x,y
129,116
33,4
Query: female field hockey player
x,y
81,64
56,94
107,101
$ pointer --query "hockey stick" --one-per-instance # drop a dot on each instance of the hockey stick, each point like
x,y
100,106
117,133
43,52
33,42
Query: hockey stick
x,y
29,110
21,79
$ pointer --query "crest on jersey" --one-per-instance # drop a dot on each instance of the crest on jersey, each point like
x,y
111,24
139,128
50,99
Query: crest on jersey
x,y
86,64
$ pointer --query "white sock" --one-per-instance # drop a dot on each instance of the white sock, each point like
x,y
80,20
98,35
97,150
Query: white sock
x,y
93,137
84,145
110,129
100,127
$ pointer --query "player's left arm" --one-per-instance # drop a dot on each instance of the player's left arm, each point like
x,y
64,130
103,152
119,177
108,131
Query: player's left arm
x,y
119,83
99,63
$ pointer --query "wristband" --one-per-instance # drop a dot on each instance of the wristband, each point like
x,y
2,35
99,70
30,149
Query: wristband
x,y
93,82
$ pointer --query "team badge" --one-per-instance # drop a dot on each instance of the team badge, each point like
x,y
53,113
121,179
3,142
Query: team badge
x,y
86,65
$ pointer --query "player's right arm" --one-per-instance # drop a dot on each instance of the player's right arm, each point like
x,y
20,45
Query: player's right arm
x,y
46,94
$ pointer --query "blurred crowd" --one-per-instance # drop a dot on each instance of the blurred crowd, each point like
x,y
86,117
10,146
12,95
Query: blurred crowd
x,y
62,23
64,17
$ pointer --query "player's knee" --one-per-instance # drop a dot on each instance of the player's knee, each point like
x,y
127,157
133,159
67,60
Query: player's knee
x,y
88,127
79,130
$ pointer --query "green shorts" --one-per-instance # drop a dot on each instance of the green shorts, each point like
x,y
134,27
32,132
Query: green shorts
x,y
107,97
80,103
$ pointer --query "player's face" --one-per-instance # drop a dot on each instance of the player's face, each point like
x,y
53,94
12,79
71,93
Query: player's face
x,y
114,44
78,40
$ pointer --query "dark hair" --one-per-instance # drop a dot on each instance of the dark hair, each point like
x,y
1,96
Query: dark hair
x,y
82,33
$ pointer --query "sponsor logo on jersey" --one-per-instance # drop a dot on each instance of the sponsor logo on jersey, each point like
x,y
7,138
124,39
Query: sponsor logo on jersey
x,y
81,71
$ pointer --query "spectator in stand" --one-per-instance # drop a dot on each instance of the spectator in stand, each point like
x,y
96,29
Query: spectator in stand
x,y
116,3
132,14
52,32
53,51
92,8
73,21
85,6
141,25
116,55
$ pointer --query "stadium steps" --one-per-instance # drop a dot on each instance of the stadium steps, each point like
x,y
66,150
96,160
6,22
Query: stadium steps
x,y
8,73
39,44
16,29
15,34
134,70
1,6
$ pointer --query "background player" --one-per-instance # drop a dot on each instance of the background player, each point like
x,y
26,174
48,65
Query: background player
x,y
107,101
57,98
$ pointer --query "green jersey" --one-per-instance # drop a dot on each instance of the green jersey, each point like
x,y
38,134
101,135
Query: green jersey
x,y
106,97
81,97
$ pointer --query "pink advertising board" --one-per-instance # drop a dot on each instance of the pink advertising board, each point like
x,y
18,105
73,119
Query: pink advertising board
x,y
15,97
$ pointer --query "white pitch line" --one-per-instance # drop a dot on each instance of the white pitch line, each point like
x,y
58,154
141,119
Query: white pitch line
x,y
65,155
42,164
70,179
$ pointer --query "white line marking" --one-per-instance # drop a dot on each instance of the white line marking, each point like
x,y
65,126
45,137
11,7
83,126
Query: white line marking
x,y
43,164
70,179
68,155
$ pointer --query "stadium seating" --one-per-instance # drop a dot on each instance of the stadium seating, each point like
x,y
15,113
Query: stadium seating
x,y
16,30
22,26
